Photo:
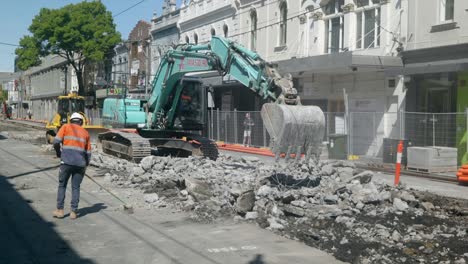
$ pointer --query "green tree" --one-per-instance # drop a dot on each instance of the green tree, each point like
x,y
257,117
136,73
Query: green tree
x,y
3,94
80,33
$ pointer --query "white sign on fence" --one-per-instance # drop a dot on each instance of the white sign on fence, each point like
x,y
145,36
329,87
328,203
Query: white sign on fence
x,y
340,125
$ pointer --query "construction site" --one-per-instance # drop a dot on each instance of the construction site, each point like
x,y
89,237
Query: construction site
x,y
352,214
234,131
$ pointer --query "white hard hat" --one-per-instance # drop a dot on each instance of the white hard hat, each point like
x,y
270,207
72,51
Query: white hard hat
x,y
76,116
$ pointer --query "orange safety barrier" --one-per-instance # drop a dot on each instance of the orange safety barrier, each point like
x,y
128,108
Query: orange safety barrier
x,y
462,174
463,179
251,150
398,163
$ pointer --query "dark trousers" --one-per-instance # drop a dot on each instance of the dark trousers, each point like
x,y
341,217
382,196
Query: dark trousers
x,y
77,174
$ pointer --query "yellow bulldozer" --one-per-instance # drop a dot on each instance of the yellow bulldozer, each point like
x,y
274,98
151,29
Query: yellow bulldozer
x,y
67,105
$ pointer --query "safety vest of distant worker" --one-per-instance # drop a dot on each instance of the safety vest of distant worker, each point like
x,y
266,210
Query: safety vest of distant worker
x,y
76,146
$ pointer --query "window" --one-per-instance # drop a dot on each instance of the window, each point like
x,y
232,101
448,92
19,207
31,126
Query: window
x,y
195,38
225,31
368,25
187,39
134,48
334,34
283,24
334,27
446,10
361,3
253,30
333,7
213,32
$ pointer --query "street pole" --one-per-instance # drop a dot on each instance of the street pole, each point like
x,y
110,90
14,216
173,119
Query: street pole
x,y
19,111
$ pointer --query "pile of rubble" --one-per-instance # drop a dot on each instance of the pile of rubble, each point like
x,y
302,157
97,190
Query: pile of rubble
x,y
327,204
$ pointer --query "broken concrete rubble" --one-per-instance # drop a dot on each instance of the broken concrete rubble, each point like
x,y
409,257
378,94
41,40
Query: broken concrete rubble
x,y
328,204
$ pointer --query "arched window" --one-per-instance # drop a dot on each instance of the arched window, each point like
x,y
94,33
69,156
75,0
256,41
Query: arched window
x,y
213,32
283,23
253,30
187,39
195,38
225,30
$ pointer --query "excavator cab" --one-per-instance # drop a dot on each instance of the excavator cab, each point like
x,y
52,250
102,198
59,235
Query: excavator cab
x,y
191,108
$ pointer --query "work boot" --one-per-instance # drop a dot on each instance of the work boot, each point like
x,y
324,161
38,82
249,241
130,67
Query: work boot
x,y
73,215
58,213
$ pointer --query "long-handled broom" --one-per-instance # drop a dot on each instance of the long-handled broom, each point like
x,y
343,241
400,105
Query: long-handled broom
x,y
126,207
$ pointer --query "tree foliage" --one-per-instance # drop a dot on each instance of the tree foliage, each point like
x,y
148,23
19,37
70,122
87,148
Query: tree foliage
x,y
3,94
79,33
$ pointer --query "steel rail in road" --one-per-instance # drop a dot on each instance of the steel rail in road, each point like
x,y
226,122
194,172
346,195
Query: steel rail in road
x,y
430,176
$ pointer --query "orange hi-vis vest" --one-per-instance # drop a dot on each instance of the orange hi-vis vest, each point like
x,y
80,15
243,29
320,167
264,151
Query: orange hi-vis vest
x,y
76,149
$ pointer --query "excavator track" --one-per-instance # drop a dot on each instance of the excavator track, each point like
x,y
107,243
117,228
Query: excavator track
x,y
125,145
208,148
134,147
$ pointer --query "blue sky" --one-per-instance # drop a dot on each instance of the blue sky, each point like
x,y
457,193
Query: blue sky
x,y
18,14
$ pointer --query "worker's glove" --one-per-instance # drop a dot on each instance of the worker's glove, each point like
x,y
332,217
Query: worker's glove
x,y
58,151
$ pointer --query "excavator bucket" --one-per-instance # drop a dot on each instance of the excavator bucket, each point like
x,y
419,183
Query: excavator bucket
x,y
294,129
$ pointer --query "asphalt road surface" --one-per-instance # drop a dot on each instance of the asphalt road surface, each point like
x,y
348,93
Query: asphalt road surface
x,y
106,234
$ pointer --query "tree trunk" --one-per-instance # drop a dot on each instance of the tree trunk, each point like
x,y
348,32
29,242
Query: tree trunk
x,y
81,87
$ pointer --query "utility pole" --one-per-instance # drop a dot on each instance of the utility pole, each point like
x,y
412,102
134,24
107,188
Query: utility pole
x,y
65,70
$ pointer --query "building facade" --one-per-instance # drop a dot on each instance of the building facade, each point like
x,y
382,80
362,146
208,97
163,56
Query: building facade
x,y
436,71
139,41
199,21
332,48
120,69
164,33
46,82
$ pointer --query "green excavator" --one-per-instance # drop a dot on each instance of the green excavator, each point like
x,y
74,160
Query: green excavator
x,y
177,105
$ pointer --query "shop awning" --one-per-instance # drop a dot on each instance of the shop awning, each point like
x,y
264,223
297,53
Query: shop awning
x,y
340,63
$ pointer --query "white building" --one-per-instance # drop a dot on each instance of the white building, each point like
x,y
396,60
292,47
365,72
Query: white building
x,y
380,52
47,82
331,46
435,42
164,33
201,19
120,69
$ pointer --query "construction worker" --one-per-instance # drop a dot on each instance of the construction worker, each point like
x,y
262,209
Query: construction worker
x,y
248,124
75,155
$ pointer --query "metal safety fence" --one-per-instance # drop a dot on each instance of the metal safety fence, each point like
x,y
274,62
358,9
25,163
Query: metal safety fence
x,y
358,135
237,127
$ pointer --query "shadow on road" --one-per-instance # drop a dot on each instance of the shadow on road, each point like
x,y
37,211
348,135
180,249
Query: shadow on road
x,y
91,209
257,260
32,172
25,236
2,137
